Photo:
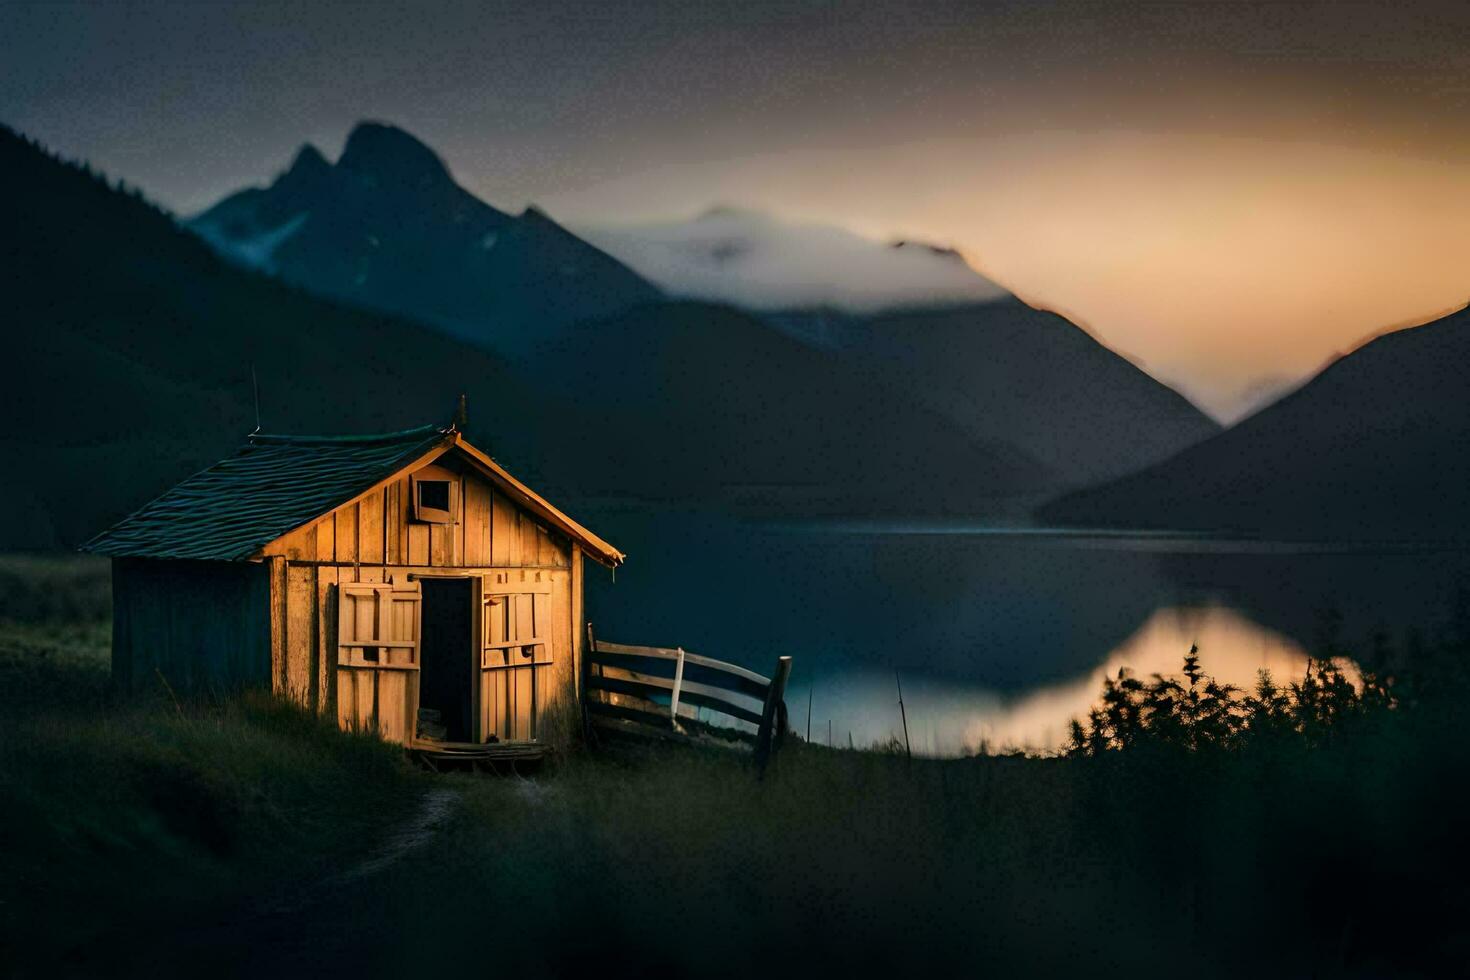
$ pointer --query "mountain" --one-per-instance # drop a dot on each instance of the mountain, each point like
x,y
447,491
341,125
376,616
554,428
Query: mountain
x,y
915,319
721,405
760,262
387,228
135,347
1005,371
1377,446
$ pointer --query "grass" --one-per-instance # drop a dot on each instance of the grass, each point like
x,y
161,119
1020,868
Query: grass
x,y
55,589
120,814
130,826
1336,861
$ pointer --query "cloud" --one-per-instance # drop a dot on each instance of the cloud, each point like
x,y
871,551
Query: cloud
x,y
758,261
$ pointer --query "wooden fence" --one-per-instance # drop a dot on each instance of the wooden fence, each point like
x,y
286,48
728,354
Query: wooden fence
x,y
672,694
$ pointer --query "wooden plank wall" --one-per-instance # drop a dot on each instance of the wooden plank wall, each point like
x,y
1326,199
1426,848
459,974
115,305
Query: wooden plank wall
x,y
376,530
373,539
202,626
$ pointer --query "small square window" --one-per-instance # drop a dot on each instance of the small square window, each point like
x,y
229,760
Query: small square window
x,y
434,496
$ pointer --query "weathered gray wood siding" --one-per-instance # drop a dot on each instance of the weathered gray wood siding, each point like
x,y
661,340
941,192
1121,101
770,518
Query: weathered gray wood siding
x,y
204,626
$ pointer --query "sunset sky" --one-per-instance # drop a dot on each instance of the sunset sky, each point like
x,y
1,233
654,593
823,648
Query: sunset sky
x,y
1227,192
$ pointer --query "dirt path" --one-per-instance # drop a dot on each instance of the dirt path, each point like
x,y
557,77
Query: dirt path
x,y
433,811
315,928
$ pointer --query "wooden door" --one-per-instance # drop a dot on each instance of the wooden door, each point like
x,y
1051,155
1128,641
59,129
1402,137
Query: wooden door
x,y
516,653
378,628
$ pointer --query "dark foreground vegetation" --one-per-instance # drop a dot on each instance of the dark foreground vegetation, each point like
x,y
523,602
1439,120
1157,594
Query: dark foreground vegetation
x,y
123,819
1313,831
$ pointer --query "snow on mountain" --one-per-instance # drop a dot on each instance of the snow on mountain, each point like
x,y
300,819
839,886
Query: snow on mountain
x,y
387,228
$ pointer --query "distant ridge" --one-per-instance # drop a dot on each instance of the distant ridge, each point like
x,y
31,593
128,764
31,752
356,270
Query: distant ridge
x,y
1377,446
1004,370
941,251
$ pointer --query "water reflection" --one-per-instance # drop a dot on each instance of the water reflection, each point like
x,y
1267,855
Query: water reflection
x,y
1001,635
949,718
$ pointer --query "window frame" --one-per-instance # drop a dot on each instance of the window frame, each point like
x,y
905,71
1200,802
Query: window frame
x,y
434,515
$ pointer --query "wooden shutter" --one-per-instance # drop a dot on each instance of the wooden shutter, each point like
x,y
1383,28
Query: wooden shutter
x,y
378,628
515,654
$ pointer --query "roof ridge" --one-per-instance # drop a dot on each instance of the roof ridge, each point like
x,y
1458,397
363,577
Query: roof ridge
x,y
375,438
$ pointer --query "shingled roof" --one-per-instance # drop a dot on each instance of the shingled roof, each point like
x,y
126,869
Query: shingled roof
x,y
275,484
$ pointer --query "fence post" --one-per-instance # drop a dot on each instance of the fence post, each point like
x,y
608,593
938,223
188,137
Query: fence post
x,y
775,695
674,696
587,734
907,751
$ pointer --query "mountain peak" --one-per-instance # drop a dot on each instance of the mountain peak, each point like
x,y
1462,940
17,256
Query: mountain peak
x,y
386,153
308,159
307,170
939,251
388,229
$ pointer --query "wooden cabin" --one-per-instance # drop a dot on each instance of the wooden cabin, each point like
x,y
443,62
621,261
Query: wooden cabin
x,y
405,582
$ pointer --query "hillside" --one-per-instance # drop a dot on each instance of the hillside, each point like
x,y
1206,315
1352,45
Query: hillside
x,y
1376,446
387,228
726,406
1003,370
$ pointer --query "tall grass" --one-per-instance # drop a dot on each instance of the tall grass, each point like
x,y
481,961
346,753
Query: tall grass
x,y
1328,860
1305,830
127,817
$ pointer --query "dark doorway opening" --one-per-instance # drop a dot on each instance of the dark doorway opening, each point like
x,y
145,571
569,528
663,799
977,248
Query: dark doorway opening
x,y
446,658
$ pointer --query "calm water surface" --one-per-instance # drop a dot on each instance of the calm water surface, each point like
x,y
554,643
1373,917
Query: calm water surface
x,y
1000,636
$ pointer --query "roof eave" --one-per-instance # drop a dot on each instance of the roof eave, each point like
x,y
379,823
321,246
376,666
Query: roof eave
x,y
592,545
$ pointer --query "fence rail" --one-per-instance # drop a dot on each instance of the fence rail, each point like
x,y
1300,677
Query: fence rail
x,y
657,692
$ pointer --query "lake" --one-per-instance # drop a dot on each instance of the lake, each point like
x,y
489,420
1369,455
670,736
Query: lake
x,y
1000,636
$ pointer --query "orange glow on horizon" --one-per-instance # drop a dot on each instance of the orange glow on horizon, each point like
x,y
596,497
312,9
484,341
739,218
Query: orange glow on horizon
x,y
1229,267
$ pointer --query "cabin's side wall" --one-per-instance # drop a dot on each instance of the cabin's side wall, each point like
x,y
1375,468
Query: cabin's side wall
x,y
201,626
373,539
